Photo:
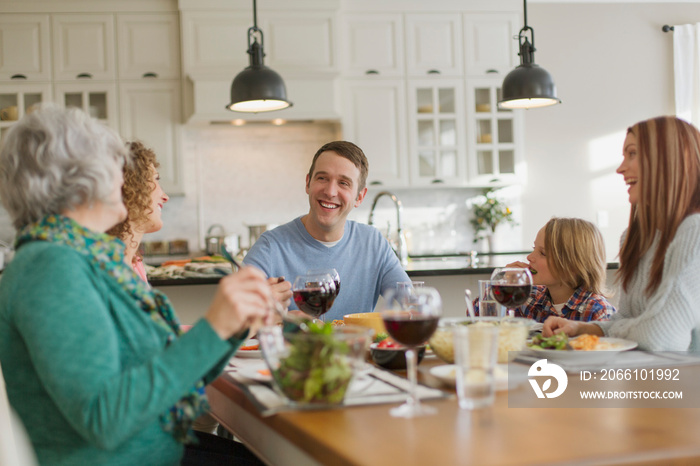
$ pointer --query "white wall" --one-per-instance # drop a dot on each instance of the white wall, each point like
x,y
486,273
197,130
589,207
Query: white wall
x,y
613,66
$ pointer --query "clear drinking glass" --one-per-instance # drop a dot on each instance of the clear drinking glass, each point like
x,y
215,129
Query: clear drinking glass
x,y
411,316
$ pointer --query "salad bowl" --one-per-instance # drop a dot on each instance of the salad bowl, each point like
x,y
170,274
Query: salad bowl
x,y
314,366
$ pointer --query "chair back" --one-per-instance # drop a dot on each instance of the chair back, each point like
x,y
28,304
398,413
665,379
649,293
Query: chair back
x,y
15,448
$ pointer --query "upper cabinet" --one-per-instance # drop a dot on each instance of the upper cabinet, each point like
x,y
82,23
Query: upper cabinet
x,y
215,43
301,42
149,46
83,47
373,45
434,45
25,48
374,118
489,43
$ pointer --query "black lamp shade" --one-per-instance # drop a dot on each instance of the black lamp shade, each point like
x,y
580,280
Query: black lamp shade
x,y
528,86
258,89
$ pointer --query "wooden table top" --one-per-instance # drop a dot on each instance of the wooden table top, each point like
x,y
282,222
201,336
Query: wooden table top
x,y
498,435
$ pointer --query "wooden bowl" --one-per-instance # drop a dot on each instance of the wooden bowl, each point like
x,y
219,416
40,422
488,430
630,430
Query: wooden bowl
x,y
371,320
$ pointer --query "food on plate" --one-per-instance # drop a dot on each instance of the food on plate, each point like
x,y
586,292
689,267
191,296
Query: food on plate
x,y
254,347
338,323
558,341
585,342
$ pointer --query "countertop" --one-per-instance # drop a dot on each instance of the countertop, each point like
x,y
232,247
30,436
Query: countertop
x,y
424,266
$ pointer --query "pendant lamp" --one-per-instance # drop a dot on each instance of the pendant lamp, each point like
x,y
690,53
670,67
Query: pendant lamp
x,y
528,85
257,88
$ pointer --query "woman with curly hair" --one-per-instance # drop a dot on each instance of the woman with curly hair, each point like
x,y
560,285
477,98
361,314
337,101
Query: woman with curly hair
x,y
144,200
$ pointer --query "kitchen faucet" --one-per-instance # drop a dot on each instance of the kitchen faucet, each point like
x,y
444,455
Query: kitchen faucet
x,y
401,249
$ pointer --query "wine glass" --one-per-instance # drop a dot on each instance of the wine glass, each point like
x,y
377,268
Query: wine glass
x,y
411,316
334,276
314,293
511,287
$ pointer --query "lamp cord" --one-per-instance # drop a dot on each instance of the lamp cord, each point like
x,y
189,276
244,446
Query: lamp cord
x,y
255,15
524,12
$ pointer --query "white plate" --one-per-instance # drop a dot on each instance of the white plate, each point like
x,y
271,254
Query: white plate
x,y
609,348
249,353
254,373
448,373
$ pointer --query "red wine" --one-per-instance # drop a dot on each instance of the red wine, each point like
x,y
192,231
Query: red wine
x,y
314,301
511,295
410,329
337,285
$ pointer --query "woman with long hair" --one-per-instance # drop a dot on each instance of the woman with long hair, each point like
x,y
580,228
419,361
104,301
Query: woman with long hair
x,y
660,250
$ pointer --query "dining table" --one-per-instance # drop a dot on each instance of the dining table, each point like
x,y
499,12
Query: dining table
x,y
501,434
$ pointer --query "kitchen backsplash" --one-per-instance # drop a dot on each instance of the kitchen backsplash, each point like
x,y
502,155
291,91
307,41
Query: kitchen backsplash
x,y
255,174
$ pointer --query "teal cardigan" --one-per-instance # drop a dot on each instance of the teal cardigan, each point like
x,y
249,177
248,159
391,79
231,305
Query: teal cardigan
x,y
86,369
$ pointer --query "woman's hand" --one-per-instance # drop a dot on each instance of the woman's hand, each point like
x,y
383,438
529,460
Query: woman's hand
x,y
281,290
571,327
243,300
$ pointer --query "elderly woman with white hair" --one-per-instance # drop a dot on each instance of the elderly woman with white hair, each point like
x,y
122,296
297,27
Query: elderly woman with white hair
x,y
94,361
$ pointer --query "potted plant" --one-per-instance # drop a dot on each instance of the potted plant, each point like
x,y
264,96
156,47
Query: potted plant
x,y
489,212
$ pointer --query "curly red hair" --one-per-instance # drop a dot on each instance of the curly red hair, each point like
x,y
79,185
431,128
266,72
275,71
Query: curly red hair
x,y
137,189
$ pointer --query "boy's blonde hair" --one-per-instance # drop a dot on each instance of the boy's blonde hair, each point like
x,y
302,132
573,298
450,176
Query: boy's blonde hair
x,y
576,253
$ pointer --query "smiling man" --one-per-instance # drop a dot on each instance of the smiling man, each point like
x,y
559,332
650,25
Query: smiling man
x,y
325,239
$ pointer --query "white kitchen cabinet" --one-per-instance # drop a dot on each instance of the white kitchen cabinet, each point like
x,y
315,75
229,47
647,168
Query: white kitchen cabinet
x,y
489,43
494,135
373,45
301,42
150,111
17,99
98,99
434,44
215,43
24,48
436,132
83,47
148,46
293,42
375,120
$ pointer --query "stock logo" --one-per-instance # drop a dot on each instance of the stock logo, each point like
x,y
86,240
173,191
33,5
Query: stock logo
x,y
542,369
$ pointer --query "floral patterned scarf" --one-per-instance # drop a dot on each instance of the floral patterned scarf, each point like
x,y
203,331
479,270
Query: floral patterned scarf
x,y
107,253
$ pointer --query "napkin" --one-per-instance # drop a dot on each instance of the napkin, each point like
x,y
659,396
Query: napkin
x,y
373,386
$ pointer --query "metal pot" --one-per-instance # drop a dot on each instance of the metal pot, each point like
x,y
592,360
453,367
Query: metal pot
x,y
255,231
214,243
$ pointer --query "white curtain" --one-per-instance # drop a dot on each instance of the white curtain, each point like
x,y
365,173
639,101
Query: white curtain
x,y
686,71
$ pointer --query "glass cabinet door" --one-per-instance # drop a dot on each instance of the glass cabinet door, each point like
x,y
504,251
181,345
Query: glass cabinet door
x,y
437,144
97,99
16,100
493,134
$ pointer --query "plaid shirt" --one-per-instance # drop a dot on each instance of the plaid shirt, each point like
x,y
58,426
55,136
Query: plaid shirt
x,y
583,305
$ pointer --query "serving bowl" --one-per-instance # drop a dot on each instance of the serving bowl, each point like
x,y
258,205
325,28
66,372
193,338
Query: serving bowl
x,y
314,366
512,335
393,358
371,320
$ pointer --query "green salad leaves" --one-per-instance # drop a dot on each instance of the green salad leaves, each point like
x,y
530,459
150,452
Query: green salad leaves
x,y
317,369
